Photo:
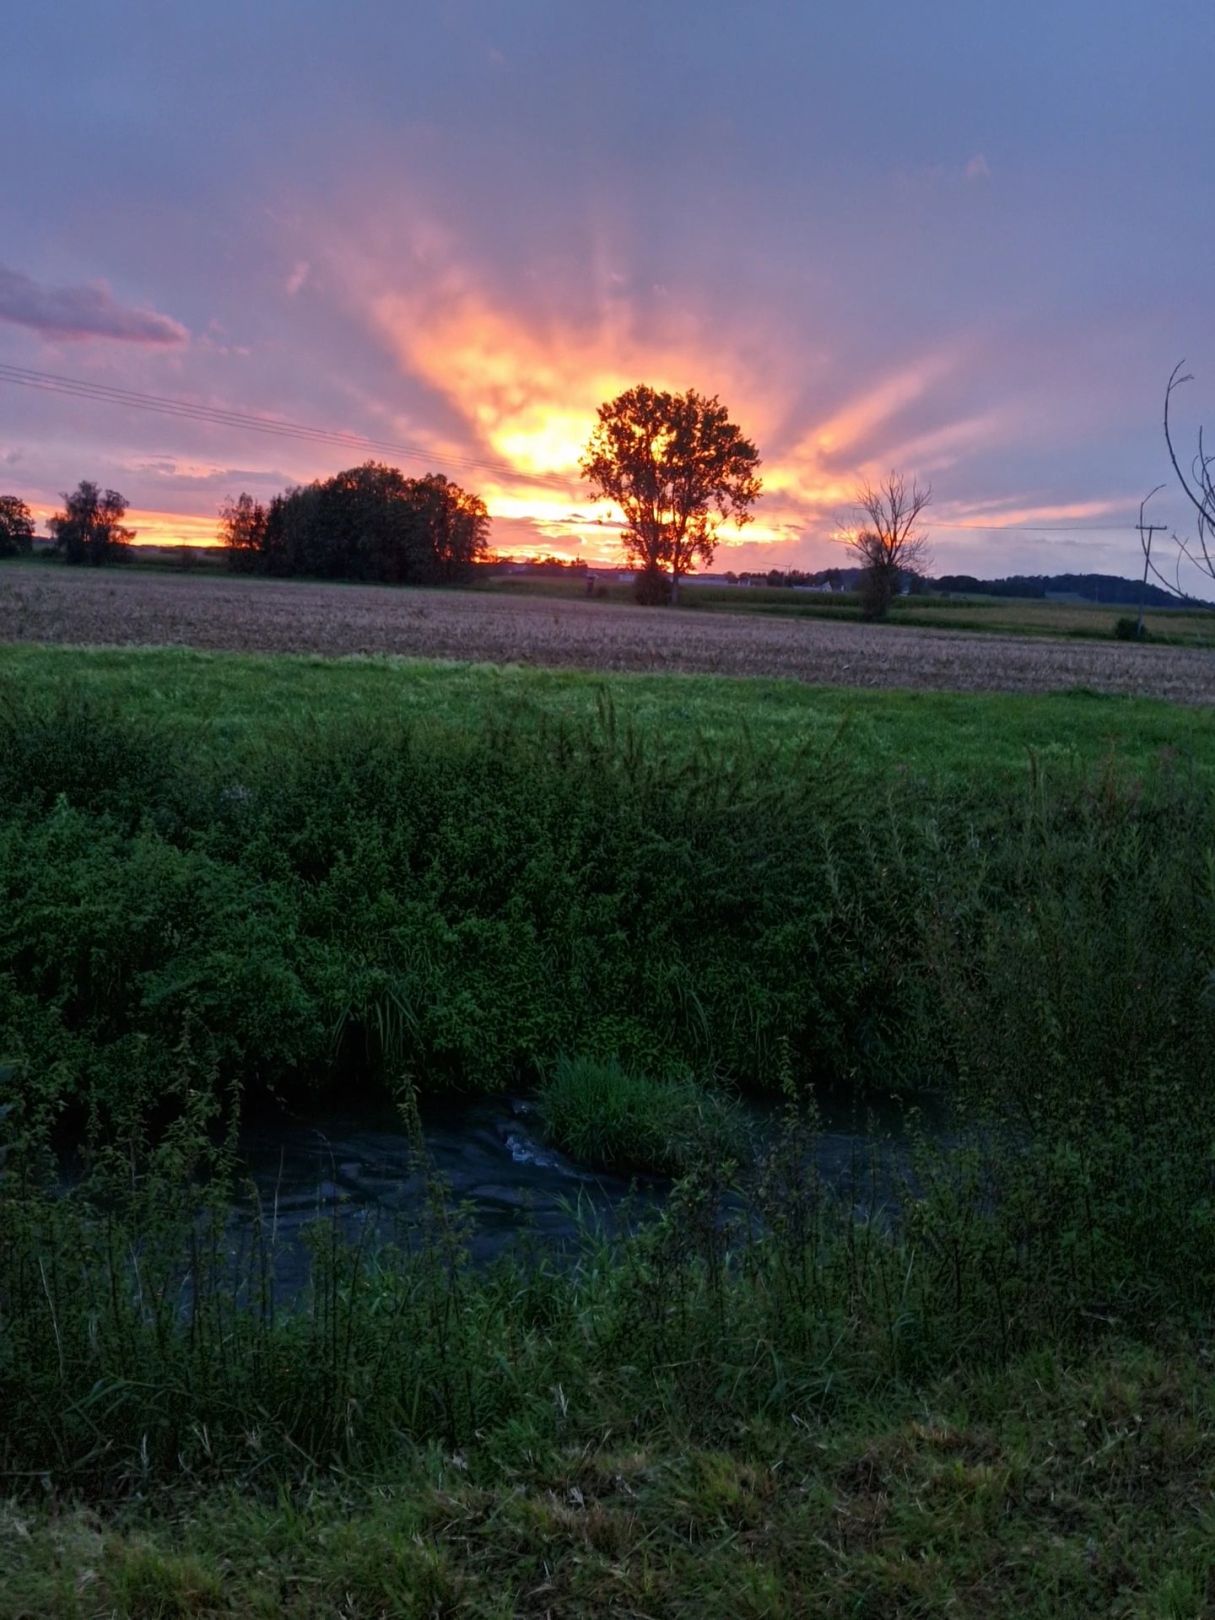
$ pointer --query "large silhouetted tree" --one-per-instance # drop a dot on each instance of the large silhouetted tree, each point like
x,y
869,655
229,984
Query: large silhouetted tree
x,y
16,527
677,468
90,528
887,540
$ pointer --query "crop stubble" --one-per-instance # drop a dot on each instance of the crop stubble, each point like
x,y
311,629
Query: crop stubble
x,y
87,608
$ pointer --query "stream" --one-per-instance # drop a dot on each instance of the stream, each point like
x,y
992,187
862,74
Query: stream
x,y
359,1167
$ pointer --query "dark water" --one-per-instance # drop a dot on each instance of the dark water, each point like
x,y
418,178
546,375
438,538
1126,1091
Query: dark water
x,y
360,1169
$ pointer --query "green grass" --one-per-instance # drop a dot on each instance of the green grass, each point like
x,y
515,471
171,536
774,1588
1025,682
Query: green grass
x,y
227,700
604,1115
1052,1490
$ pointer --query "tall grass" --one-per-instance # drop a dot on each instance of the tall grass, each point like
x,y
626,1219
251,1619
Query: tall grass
x,y
354,905
363,907
141,1343
602,1114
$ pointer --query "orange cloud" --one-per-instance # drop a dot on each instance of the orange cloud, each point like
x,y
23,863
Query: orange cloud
x,y
1007,513
157,528
853,425
527,388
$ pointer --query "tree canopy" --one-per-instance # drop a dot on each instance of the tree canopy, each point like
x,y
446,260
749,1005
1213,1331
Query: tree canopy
x,y
242,532
678,468
367,523
16,527
90,528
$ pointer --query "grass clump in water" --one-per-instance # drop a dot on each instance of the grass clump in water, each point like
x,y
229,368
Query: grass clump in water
x,y
603,1114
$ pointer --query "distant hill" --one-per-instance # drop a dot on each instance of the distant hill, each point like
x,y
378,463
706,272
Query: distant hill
x,y
1109,589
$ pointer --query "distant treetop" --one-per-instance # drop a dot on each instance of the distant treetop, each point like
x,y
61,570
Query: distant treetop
x,y
16,527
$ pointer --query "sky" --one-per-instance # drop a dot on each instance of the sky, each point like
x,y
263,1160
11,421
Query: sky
x,y
961,240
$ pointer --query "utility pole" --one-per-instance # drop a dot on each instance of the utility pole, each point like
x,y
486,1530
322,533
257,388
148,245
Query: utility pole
x,y
1146,531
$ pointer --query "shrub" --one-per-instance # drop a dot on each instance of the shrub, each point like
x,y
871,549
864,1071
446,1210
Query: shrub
x,y
1130,629
652,587
365,903
604,1115
85,752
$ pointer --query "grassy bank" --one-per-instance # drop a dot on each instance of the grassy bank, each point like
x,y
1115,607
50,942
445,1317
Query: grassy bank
x,y
995,1400
1050,1489
462,891
232,878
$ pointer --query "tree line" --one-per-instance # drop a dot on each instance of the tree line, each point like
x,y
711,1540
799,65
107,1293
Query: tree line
x,y
1110,589
369,523
674,466
89,529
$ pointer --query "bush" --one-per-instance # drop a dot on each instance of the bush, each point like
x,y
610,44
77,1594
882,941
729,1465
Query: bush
x,y
652,587
86,753
362,905
603,1115
1130,629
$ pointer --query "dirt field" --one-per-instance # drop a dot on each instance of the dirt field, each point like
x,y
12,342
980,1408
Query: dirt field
x,y
111,608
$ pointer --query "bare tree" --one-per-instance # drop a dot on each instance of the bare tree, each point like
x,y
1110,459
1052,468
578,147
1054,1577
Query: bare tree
x,y
1198,486
887,539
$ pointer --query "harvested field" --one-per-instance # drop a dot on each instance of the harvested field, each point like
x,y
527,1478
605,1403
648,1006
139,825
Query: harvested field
x,y
109,608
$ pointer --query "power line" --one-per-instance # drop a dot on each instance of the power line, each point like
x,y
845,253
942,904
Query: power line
x,y
223,416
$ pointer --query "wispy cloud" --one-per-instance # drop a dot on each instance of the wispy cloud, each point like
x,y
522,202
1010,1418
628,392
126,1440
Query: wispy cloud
x,y
82,312
1011,511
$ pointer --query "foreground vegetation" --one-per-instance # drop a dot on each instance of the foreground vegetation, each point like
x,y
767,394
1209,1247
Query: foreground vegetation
x,y
1044,1489
469,896
970,1376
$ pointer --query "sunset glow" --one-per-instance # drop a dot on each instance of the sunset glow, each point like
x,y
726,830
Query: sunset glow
x,y
942,284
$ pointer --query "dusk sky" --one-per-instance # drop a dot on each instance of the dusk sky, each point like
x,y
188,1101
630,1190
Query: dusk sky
x,y
963,240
